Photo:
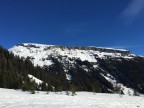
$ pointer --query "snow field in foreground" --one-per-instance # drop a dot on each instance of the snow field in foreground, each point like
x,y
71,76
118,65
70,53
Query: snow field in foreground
x,y
18,99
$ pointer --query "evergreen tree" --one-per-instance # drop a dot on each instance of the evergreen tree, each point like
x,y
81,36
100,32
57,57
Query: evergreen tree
x,y
3,81
136,93
73,90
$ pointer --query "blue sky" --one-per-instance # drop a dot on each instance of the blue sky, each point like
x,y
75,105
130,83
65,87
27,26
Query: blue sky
x,y
103,23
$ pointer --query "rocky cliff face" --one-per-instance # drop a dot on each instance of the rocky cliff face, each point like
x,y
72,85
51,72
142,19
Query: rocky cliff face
x,y
88,66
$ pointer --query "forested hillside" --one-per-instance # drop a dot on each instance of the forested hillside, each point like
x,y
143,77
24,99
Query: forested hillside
x,y
71,69
14,73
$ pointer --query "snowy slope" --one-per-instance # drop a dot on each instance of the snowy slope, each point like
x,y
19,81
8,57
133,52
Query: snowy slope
x,y
112,80
40,54
18,99
38,81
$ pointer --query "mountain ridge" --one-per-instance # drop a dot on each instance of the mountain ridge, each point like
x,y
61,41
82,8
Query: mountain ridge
x,y
64,46
29,48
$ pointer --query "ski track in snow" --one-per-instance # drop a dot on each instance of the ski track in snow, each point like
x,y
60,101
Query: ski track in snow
x,y
18,99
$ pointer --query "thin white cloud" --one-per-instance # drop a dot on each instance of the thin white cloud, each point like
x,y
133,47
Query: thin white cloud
x,y
133,10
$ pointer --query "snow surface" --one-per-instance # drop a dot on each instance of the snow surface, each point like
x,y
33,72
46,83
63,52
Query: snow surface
x,y
40,55
38,81
68,77
113,48
18,99
111,79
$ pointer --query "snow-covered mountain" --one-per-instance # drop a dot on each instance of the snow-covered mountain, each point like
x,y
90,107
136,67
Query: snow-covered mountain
x,y
83,65
41,54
